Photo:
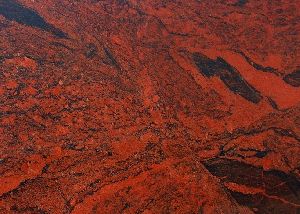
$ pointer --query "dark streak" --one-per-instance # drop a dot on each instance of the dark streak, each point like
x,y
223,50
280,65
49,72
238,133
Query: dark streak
x,y
21,185
240,3
258,66
14,11
35,209
261,154
237,133
45,168
91,51
112,58
293,78
4,57
228,74
272,103
274,183
258,153
58,44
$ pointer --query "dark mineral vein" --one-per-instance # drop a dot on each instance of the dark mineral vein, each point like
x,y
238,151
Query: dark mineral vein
x,y
228,74
14,11
278,188
258,66
293,78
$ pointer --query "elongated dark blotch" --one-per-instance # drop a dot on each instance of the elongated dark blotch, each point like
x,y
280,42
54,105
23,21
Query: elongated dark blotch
x,y
14,11
284,188
293,78
228,74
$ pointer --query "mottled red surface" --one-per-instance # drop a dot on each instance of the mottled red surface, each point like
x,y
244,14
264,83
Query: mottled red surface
x,y
149,106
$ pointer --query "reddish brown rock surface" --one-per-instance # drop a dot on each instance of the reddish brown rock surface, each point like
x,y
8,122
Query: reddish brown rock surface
x,y
130,106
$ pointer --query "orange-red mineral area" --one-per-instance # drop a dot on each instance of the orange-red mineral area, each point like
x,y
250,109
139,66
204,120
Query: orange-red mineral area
x,y
149,106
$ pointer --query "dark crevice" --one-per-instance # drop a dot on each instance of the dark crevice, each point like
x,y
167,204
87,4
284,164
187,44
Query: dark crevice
x,y
228,74
14,11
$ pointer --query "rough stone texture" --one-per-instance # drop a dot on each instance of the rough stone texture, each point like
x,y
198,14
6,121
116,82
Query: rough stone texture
x,y
149,106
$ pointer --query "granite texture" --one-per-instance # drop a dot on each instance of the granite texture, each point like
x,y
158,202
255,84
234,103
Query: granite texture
x,y
149,106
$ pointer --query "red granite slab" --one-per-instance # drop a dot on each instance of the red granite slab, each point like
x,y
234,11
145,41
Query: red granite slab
x,y
149,106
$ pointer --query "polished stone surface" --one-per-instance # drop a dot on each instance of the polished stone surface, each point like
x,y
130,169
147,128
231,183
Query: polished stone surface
x,y
149,106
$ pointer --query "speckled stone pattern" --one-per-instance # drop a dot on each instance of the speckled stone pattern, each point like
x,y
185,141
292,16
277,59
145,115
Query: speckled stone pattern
x,y
149,106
